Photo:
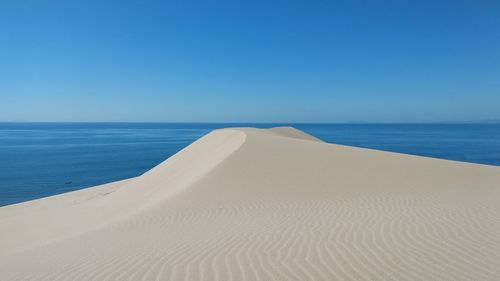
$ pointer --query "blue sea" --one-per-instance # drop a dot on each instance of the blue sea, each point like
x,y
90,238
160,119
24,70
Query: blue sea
x,y
43,159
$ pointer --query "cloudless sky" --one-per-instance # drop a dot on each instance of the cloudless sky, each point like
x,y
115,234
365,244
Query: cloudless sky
x,y
250,61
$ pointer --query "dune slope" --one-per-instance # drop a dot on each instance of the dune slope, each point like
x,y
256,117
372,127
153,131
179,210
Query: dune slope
x,y
276,204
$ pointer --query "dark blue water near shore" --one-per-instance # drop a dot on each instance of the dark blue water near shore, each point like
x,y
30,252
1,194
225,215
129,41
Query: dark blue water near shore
x,y
42,159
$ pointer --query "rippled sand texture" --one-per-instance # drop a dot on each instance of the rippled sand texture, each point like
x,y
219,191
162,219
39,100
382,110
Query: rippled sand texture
x,y
277,204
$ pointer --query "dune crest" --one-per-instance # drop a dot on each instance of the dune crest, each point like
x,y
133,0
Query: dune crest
x,y
45,220
275,204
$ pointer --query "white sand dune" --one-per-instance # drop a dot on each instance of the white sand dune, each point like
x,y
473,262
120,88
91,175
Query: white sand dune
x,y
277,204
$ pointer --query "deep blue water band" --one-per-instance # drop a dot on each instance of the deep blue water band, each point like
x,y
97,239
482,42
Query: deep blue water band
x,y
42,159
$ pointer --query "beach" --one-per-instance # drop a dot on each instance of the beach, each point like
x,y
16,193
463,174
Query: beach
x,y
266,204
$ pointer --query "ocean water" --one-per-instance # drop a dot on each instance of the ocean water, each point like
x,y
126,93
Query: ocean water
x,y
43,159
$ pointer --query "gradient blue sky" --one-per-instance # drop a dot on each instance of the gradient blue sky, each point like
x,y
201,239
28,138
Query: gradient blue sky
x,y
254,61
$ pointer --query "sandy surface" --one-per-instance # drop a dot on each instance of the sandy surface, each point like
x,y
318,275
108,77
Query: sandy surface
x,y
250,204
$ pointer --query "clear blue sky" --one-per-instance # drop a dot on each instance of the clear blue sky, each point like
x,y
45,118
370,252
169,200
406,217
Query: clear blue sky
x,y
255,61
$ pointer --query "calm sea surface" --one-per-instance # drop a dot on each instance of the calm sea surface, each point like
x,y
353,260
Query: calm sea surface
x,y
42,159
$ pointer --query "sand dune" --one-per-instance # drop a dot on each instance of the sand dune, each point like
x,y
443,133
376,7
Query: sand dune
x,y
277,204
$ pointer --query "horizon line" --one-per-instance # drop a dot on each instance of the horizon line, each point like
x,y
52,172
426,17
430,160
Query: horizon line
x,y
254,122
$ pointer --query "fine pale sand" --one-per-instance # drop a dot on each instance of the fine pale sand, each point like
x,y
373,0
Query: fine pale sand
x,y
277,204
